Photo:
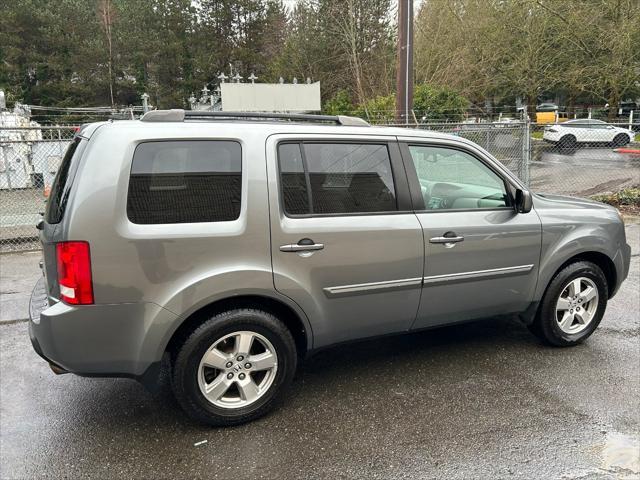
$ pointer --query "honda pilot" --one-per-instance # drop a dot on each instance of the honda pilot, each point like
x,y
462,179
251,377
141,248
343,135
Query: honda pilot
x,y
222,248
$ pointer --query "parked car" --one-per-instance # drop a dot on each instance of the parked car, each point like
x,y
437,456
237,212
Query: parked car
x,y
547,107
574,133
222,248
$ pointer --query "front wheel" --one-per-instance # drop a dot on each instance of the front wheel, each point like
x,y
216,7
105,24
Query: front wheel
x,y
233,367
620,140
572,306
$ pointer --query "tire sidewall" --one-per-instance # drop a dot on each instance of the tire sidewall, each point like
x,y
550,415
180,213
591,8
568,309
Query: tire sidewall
x,y
620,140
568,142
549,323
188,362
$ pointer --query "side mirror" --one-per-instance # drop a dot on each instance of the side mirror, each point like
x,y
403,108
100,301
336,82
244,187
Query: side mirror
x,y
524,202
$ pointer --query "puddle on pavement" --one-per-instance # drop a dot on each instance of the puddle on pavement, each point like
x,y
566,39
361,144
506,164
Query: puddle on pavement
x,y
620,454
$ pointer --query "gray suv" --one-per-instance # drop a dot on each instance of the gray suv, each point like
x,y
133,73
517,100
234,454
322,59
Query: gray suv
x,y
223,248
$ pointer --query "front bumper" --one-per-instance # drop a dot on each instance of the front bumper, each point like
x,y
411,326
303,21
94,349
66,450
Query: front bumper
x,y
622,261
118,340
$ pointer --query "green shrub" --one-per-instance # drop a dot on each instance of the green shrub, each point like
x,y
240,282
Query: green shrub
x,y
627,196
339,104
438,103
380,109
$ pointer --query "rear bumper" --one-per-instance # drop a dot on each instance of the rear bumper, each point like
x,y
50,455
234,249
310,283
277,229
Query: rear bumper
x,y
119,340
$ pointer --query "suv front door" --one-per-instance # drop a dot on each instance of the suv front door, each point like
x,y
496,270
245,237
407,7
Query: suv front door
x,y
481,256
346,245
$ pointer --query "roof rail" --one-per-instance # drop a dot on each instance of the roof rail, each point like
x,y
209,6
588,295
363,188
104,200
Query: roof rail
x,y
178,115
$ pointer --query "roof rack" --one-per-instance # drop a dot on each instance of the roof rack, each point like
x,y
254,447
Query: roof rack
x,y
179,115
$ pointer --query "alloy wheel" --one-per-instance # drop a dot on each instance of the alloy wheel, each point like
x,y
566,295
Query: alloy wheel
x,y
577,305
237,369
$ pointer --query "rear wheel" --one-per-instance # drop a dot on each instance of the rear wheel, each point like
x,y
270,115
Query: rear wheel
x,y
568,142
233,367
572,306
620,140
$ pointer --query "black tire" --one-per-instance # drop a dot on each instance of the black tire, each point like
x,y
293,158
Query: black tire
x,y
185,368
620,140
545,325
568,142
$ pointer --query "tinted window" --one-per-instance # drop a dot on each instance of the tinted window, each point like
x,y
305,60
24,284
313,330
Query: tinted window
x,y
294,181
577,124
62,183
597,124
337,178
452,179
185,181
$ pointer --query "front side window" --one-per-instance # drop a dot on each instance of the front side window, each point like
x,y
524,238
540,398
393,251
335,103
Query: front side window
x,y
185,181
597,125
452,179
336,178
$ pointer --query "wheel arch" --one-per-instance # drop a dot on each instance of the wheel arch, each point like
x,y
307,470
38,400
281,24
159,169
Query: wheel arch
x,y
293,318
602,260
568,137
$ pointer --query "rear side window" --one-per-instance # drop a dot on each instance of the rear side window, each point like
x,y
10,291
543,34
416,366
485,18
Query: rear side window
x,y
185,182
59,194
336,178
295,189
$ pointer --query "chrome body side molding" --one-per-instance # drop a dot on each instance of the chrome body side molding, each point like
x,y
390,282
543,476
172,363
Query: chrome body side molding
x,y
374,287
467,276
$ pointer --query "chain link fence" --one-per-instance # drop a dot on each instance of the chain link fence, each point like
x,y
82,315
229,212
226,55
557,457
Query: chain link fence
x,y
581,159
508,142
29,160
584,157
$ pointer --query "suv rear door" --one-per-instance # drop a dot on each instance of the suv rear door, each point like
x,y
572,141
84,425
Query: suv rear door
x,y
346,245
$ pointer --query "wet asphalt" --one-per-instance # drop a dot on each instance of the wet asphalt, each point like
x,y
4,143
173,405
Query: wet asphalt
x,y
582,172
481,400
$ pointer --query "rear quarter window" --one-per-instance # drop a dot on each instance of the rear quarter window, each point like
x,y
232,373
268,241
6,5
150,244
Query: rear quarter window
x,y
185,182
59,195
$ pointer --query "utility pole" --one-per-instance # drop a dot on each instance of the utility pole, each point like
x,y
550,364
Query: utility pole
x,y
404,75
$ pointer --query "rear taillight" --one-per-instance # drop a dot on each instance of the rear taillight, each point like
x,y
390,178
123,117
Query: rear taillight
x,y
74,272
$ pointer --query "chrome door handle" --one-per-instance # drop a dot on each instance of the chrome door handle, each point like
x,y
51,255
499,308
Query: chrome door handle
x,y
446,239
304,245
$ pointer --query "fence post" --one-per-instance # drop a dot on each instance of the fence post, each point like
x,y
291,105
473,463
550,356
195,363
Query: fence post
x,y
145,102
631,120
526,152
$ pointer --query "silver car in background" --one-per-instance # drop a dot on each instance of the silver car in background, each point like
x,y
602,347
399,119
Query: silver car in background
x,y
222,248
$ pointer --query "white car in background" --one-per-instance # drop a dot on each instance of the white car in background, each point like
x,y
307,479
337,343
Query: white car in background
x,y
573,133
